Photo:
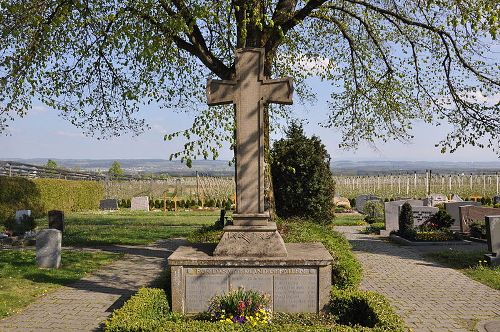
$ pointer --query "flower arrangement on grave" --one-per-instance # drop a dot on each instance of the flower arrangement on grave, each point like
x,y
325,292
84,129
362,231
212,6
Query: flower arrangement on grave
x,y
240,306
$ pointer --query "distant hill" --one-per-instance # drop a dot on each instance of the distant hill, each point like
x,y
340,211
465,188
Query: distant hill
x,y
222,167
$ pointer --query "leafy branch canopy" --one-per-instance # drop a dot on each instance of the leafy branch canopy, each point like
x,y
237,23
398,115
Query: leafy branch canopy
x,y
390,62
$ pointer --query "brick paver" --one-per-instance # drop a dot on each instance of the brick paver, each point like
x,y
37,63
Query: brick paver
x,y
84,305
428,296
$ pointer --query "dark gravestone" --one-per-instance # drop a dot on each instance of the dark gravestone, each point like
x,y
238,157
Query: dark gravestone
x,y
469,214
493,237
56,220
496,200
452,208
362,199
108,204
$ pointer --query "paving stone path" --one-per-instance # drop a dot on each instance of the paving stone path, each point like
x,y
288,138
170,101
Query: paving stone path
x,y
428,296
84,305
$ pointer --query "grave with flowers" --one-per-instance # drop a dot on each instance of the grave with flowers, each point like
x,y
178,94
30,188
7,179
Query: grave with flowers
x,y
251,255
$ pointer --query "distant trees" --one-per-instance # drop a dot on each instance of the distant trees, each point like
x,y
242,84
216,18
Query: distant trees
x,y
302,180
116,170
51,164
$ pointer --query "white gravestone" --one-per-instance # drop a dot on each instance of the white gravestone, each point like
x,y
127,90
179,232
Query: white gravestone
x,y
391,212
140,203
21,213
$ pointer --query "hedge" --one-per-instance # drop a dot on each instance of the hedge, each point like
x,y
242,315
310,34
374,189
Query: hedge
x,y
145,311
42,195
148,311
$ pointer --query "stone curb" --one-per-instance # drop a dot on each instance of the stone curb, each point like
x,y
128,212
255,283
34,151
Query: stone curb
x,y
405,242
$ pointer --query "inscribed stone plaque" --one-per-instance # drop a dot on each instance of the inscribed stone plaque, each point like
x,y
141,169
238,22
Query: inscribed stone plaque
x,y
56,219
296,293
108,204
469,214
257,282
201,288
140,203
422,213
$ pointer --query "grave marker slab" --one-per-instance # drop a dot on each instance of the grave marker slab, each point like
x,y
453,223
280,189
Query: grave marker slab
x,y
391,212
140,203
422,213
496,200
452,208
56,220
21,213
469,214
48,248
108,204
493,238
362,199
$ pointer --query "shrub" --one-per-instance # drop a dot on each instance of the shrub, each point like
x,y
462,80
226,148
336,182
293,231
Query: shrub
x,y
19,194
477,229
145,311
241,306
368,309
435,236
440,220
406,220
375,228
374,211
302,180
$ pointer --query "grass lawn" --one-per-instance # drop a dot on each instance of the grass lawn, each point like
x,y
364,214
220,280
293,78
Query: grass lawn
x,y
344,219
130,228
21,281
468,262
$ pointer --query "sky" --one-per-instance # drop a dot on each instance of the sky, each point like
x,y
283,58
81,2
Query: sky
x,y
43,134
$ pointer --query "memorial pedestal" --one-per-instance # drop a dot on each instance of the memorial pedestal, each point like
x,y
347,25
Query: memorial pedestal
x,y
299,282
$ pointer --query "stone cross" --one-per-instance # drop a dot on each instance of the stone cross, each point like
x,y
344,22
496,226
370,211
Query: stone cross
x,y
249,92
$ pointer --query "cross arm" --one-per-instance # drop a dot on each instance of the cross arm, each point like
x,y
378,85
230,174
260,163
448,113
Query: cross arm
x,y
278,91
220,92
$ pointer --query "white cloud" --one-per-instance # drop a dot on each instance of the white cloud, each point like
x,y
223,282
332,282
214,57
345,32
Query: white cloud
x,y
39,109
313,65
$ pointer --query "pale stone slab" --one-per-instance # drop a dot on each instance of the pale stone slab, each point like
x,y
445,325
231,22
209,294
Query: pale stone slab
x,y
201,288
48,248
452,208
110,204
300,282
391,212
140,203
296,293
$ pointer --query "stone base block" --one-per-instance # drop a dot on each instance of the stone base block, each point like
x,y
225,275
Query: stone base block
x,y
251,219
255,241
300,282
492,259
48,248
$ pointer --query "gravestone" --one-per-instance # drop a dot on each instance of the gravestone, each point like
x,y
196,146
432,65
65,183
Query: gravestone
x,y
456,198
362,199
496,200
391,213
421,214
108,204
56,220
251,252
21,213
452,208
140,203
469,214
341,201
493,238
48,248
435,199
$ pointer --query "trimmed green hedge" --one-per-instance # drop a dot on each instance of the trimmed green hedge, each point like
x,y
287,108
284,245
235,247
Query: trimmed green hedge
x,y
346,270
42,195
369,309
148,311
145,311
